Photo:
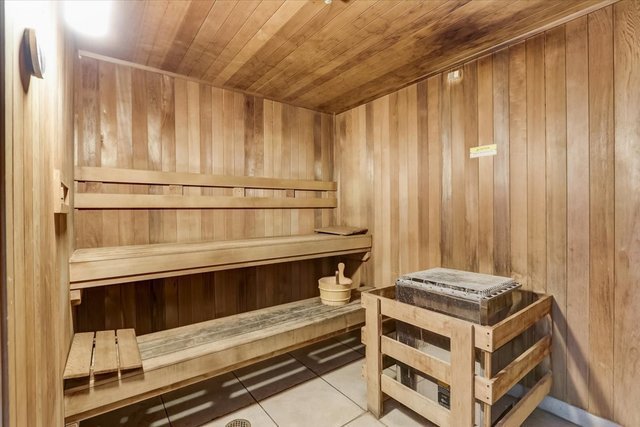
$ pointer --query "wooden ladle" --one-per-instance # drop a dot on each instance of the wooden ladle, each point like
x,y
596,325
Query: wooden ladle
x,y
340,279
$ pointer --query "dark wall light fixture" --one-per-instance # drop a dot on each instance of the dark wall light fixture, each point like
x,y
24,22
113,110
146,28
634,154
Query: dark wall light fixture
x,y
30,57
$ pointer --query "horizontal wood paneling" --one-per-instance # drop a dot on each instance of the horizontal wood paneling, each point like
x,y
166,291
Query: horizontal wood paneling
x,y
329,57
556,208
136,119
37,139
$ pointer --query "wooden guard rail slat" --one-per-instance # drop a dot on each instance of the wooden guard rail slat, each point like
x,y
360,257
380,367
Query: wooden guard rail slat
x,y
138,176
417,402
429,365
91,200
491,338
160,201
490,390
527,404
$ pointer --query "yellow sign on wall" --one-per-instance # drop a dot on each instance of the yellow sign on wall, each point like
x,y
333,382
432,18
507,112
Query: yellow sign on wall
x,y
483,150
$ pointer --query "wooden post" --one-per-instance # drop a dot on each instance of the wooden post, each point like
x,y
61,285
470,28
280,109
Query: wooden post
x,y
462,375
487,360
373,323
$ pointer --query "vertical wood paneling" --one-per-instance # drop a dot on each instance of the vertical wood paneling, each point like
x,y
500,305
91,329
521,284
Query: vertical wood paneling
x,y
143,120
601,149
446,210
556,199
459,163
393,178
422,170
470,93
434,165
536,157
518,163
556,208
501,195
577,76
37,127
485,166
626,35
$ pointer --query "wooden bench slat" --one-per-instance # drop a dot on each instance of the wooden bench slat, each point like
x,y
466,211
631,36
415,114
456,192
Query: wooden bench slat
x,y
105,358
139,176
79,359
128,352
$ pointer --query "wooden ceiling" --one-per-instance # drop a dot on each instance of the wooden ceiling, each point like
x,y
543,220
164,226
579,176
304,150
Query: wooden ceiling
x,y
324,57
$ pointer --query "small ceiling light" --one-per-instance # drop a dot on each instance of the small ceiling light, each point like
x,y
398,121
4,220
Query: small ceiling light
x,y
454,76
328,1
89,17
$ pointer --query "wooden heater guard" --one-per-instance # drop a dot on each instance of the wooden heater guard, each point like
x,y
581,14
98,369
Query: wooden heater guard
x,y
466,337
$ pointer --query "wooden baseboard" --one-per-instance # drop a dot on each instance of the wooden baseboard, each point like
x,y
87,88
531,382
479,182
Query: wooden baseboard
x,y
566,411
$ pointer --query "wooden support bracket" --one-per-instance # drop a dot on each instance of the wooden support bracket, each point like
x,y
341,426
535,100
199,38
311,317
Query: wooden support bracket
x,y
76,297
60,193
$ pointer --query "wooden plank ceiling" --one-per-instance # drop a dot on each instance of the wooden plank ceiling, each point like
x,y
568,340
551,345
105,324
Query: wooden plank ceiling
x,y
307,53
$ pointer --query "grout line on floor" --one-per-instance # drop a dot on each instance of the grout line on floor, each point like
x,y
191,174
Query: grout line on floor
x,y
331,370
353,401
353,419
254,398
166,412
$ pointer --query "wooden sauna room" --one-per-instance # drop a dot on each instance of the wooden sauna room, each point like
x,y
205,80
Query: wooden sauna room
x,y
320,213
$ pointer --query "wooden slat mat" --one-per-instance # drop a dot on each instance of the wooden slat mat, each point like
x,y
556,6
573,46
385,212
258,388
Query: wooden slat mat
x,y
102,353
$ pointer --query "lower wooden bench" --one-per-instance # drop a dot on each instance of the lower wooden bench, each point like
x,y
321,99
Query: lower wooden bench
x,y
178,357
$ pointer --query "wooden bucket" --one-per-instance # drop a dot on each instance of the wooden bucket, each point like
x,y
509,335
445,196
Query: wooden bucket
x,y
335,290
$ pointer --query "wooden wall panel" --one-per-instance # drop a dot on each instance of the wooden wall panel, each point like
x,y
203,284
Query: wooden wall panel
x,y
577,103
626,36
37,138
133,118
601,171
556,208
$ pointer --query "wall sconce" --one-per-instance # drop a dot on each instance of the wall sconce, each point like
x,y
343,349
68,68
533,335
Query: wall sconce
x,y
31,58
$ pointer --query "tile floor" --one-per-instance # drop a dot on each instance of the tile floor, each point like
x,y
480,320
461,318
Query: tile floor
x,y
320,385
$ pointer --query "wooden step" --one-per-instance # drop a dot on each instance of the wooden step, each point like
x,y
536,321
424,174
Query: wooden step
x,y
100,353
178,357
122,264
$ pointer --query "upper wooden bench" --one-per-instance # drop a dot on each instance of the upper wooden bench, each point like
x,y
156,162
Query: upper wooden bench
x,y
121,264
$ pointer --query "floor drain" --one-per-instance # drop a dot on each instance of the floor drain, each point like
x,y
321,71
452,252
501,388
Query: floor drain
x,y
238,423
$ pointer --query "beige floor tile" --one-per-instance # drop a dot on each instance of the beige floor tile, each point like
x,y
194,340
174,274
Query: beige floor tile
x,y
206,401
397,415
352,340
326,356
365,420
311,404
540,418
348,380
148,413
254,414
274,375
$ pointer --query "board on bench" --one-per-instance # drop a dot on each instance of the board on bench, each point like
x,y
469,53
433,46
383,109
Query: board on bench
x,y
101,353
181,356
